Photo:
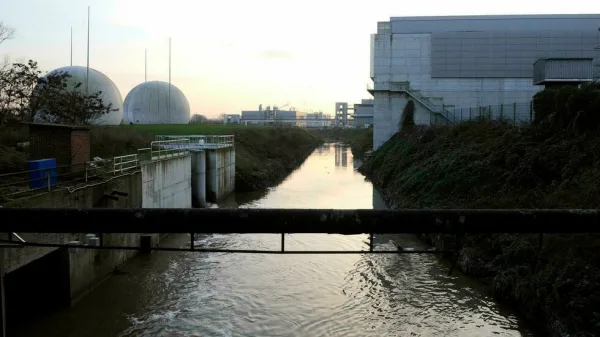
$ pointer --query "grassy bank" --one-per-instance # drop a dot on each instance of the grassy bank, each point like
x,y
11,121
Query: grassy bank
x,y
360,140
264,155
553,164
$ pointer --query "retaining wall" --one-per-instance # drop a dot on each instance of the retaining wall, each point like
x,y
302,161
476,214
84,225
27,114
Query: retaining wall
x,y
167,183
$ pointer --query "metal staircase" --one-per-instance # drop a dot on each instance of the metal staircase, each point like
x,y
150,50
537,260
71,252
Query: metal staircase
x,y
437,109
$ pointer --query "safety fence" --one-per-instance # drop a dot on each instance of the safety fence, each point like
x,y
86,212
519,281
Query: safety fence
x,y
199,141
24,183
515,113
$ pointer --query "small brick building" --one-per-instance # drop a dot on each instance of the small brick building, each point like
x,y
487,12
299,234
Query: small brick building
x,y
69,144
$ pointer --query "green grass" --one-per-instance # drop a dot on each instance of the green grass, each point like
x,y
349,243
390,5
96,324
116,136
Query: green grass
x,y
190,129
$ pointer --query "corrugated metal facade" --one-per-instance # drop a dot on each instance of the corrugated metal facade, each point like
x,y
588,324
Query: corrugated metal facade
x,y
559,70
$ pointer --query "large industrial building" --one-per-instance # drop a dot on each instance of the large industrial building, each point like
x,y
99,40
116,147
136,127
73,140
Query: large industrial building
x,y
358,115
363,113
273,116
463,63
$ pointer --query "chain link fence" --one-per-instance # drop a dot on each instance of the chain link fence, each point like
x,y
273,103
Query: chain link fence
x,y
515,113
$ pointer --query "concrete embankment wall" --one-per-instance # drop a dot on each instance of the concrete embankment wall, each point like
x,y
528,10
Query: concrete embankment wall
x,y
167,183
62,276
91,196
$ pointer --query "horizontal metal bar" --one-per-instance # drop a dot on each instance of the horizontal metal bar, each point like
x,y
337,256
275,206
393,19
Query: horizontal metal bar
x,y
217,250
206,221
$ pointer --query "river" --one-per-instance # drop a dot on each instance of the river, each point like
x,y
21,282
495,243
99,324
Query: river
x,y
198,294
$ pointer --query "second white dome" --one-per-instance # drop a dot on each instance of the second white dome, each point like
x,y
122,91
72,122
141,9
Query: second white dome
x,y
148,103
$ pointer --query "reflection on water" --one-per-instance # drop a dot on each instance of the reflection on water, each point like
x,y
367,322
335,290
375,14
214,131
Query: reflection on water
x,y
191,294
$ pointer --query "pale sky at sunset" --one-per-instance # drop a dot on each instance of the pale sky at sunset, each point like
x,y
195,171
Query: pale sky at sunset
x,y
232,55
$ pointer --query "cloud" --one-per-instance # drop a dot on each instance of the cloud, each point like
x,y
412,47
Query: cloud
x,y
274,54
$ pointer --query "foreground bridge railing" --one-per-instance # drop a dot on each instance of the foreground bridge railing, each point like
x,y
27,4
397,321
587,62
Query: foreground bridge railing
x,y
292,221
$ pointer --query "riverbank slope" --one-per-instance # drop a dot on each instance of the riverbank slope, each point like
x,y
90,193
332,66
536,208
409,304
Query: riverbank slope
x,y
553,164
264,155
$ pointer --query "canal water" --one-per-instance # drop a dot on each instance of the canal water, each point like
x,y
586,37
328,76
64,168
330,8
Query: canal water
x,y
194,294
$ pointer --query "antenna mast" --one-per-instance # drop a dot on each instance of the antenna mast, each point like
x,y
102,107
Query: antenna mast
x,y
145,65
71,46
87,74
169,100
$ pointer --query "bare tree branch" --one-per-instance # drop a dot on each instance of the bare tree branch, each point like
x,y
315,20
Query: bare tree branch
x,y
6,33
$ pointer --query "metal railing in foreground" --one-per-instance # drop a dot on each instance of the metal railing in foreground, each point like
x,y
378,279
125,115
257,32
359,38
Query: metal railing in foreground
x,y
292,221
162,149
18,184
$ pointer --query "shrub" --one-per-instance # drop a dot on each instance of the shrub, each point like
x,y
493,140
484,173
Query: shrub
x,y
408,116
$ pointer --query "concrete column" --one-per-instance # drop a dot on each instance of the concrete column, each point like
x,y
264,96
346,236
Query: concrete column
x,y
199,178
212,173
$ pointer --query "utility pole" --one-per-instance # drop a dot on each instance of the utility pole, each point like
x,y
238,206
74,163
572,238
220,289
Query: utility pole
x,y
71,46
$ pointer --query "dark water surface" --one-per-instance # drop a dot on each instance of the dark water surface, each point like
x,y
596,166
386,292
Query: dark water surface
x,y
192,294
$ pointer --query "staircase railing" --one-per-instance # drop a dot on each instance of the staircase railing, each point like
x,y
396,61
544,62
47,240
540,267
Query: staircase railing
x,y
433,107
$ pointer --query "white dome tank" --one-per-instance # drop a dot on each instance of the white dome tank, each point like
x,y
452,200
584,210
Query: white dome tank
x,y
147,104
98,82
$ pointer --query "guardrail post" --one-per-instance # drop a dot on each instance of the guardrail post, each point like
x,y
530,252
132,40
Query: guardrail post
x,y
531,111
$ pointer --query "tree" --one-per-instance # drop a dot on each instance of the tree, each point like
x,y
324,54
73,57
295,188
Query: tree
x,y
198,119
6,33
408,116
25,96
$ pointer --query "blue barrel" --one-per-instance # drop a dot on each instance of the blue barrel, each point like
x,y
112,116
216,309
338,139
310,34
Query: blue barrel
x,y
39,169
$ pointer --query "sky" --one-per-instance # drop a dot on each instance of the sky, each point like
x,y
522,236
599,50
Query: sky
x,y
232,55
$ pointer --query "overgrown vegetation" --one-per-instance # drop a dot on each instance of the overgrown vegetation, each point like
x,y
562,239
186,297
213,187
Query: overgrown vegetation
x,y
408,116
264,155
555,163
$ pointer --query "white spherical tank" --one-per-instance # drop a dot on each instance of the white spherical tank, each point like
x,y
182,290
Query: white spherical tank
x,y
148,103
98,82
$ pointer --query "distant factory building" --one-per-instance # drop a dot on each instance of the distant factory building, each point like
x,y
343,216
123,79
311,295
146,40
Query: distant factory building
x,y
273,116
317,120
452,66
232,119
359,115
363,113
